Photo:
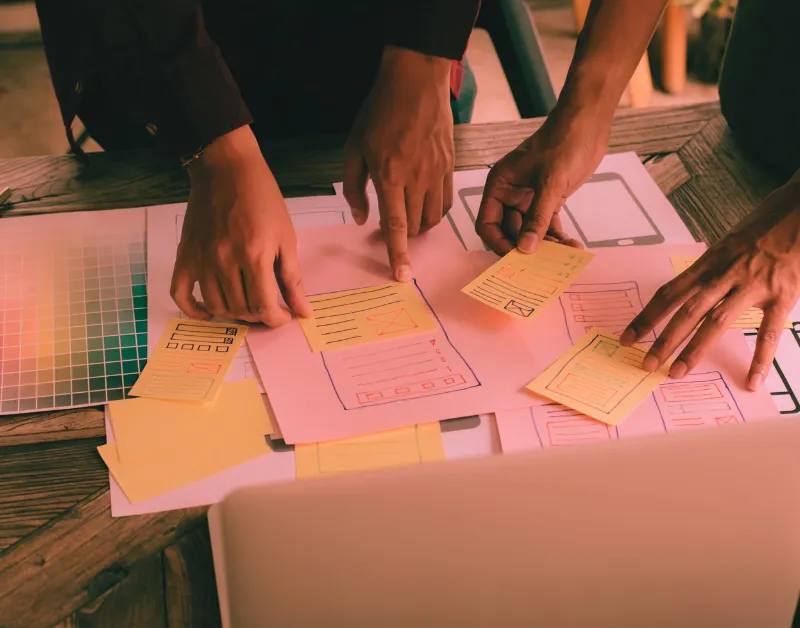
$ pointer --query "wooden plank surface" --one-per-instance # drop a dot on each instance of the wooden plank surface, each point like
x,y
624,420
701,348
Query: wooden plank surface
x,y
62,557
308,166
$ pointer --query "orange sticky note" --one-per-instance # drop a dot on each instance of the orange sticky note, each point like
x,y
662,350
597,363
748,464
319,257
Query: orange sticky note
x,y
522,285
392,448
599,377
190,361
354,317
149,429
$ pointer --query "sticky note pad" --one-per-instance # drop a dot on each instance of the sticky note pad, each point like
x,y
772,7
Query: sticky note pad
x,y
147,479
393,448
523,284
354,317
190,361
751,319
599,377
150,429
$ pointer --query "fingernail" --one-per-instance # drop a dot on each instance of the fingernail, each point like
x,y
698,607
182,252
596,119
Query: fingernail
x,y
358,216
650,363
628,336
403,273
754,382
678,369
528,242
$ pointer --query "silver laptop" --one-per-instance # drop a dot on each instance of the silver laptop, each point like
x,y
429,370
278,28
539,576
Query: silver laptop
x,y
691,530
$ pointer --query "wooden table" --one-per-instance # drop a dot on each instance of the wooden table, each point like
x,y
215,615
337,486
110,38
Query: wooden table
x,y
63,559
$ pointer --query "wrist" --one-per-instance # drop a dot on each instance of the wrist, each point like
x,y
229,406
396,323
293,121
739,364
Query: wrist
x,y
234,150
401,63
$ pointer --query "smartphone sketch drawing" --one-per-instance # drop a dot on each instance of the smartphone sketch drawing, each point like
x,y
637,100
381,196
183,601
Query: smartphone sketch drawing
x,y
584,209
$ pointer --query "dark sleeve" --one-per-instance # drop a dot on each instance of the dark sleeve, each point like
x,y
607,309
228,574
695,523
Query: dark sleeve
x,y
440,28
159,55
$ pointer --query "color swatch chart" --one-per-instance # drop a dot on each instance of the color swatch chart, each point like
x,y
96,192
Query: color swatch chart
x,y
73,308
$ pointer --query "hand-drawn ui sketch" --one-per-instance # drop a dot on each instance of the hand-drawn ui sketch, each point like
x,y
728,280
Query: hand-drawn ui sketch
x,y
559,426
698,400
609,189
419,365
610,306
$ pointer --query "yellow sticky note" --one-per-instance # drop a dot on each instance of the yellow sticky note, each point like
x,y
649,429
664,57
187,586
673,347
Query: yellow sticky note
x,y
393,448
149,429
751,319
354,317
190,361
147,479
523,284
599,377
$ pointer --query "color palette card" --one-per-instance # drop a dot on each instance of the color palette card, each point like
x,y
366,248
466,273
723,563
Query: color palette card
x,y
354,317
394,448
523,284
599,377
751,319
190,361
73,309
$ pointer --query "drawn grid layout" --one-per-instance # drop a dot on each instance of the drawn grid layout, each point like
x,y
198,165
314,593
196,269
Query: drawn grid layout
x,y
410,367
73,309
610,306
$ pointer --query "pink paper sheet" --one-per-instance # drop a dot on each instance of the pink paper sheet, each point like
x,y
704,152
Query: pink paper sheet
x,y
611,291
475,363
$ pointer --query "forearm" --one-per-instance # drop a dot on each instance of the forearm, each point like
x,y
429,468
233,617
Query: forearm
x,y
614,38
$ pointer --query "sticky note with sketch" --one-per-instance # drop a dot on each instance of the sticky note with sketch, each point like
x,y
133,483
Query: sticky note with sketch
x,y
369,314
522,284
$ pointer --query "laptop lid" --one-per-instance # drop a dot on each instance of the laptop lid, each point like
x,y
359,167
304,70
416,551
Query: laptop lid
x,y
694,529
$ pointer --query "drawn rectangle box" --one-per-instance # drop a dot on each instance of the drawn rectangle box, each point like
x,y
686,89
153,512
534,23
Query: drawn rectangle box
x,y
609,306
407,368
560,426
699,400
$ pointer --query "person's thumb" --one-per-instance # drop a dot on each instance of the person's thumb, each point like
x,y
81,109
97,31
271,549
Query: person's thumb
x,y
547,199
354,188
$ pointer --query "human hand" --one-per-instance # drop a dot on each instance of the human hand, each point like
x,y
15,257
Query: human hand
x,y
237,239
403,139
756,265
525,190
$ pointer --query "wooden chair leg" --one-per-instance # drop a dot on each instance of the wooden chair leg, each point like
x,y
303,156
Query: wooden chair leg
x,y
673,48
640,87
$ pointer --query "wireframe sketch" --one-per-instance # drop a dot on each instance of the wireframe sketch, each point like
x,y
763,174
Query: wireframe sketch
x,y
609,306
609,189
698,400
559,426
408,367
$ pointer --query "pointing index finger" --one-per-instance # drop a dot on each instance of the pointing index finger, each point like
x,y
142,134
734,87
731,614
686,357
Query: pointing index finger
x,y
394,226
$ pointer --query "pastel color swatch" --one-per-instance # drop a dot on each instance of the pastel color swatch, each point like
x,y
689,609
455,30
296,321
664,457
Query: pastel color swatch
x,y
73,309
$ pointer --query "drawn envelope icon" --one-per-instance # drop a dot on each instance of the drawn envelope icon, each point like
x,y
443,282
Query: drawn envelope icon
x,y
392,322
518,309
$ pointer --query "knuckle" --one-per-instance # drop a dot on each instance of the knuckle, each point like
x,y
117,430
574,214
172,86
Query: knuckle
x,y
396,223
770,335
666,293
693,309
720,317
